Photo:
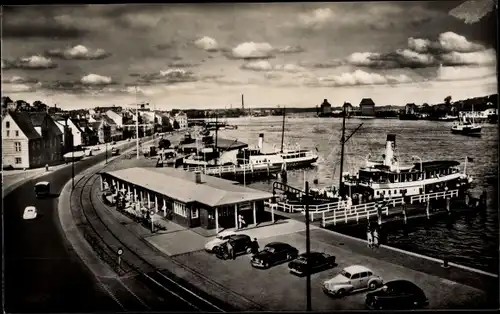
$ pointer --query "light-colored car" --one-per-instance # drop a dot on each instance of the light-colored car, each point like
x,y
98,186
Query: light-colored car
x,y
221,238
29,213
352,278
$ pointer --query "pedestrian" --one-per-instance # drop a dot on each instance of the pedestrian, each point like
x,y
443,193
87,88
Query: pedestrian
x,y
230,249
255,246
376,242
46,167
369,237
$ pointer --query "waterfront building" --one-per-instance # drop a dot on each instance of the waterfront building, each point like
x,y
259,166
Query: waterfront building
x,y
367,107
30,140
193,199
182,119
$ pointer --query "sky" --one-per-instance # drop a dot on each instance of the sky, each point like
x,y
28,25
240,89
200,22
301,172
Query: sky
x,y
207,55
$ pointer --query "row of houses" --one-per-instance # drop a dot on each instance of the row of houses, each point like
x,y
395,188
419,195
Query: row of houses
x,y
366,108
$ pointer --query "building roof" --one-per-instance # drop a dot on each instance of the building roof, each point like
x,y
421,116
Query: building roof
x,y
108,120
22,119
37,118
181,185
367,101
77,122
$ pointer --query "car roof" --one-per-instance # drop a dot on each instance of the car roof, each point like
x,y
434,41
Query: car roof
x,y
30,208
277,244
42,183
226,233
239,236
311,254
354,269
402,283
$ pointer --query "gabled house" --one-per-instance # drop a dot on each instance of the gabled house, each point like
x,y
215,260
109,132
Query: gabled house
x,y
68,132
367,107
182,119
88,136
30,140
116,132
411,108
325,108
116,117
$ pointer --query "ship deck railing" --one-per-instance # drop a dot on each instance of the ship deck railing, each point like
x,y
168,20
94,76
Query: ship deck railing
x,y
219,170
338,212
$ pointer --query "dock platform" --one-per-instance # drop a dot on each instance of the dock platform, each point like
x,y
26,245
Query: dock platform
x,y
238,173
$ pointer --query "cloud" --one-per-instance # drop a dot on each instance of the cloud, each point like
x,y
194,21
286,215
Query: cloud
x,y
323,65
450,73
207,44
448,49
95,79
19,80
264,65
252,50
358,77
170,76
290,49
317,18
37,26
17,88
29,63
181,65
78,52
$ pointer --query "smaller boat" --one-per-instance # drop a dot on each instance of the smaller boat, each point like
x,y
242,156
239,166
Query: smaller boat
x,y
448,118
466,127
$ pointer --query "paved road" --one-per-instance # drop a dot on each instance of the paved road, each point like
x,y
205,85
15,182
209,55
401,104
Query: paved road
x,y
42,272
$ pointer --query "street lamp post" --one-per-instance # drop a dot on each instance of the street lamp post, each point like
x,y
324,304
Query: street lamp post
x,y
106,152
137,123
308,250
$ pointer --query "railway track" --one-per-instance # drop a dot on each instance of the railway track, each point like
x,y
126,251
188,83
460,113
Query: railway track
x,y
139,286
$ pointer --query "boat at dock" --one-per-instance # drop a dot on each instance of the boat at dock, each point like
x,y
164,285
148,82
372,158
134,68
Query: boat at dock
x,y
448,118
466,125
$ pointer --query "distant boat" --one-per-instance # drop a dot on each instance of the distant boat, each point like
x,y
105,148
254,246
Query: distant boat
x,y
448,118
465,126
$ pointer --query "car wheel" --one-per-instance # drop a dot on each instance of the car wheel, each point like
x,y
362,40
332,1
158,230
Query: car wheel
x,y
372,285
289,257
266,265
341,293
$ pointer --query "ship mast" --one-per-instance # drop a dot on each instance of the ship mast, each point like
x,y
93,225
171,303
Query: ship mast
x,y
344,140
283,130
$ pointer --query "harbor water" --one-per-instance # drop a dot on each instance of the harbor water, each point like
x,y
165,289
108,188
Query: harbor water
x,y
470,239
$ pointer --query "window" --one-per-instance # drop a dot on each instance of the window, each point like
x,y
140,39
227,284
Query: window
x,y
180,209
18,160
194,213
369,273
18,146
8,133
355,276
17,133
7,124
363,275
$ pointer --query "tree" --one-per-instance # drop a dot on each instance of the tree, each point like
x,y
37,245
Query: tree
x,y
447,100
176,125
39,106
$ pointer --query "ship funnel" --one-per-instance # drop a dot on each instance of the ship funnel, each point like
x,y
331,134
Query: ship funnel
x,y
261,141
390,145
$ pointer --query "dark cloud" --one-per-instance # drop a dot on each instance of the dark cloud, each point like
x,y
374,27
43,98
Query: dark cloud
x,y
15,24
170,76
182,65
164,46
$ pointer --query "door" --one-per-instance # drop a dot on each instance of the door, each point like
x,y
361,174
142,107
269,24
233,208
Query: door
x,y
355,281
363,280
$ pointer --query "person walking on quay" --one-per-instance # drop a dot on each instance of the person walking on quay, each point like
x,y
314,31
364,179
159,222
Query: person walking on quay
x,y
376,242
369,236
255,246
230,250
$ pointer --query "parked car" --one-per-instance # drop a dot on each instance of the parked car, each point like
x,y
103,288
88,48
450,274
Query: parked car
x,y
350,279
115,151
219,239
274,253
397,295
242,244
317,261
30,212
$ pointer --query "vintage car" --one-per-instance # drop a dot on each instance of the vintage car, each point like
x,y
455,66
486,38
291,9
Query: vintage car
x,y
397,295
241,243
222,237
312,262
274,253
352,278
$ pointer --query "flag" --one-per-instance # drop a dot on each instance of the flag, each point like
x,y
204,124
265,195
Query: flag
x,y
470,159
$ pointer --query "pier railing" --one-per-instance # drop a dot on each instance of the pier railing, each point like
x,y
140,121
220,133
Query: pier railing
x,y
250,168
339,212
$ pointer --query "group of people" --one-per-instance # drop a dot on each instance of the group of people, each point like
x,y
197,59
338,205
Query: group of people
x,y
373,237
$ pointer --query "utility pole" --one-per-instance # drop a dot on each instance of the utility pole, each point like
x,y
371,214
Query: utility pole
x,y
342,142
137,122
308,250
283,130
216,148
72,152
106,152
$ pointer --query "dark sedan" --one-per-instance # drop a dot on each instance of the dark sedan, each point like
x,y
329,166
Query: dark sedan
x,y
274,253
397,295
316,261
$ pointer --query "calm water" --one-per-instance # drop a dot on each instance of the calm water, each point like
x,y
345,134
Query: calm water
x,y
471,239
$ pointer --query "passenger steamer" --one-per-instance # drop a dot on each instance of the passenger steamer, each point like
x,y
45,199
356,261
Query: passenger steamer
x,y
388,178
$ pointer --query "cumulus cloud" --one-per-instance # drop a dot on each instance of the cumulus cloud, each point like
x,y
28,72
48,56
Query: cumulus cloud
x,y
317,18
17,88
29,63
358,77
448,49
207,43
252,50
264,65
95,79
323,65
170,76
78,52
19,80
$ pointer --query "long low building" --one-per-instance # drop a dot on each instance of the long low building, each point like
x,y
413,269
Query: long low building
x,y
194,199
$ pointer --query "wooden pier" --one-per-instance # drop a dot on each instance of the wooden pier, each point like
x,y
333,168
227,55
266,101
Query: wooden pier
x,y
239,173
338,213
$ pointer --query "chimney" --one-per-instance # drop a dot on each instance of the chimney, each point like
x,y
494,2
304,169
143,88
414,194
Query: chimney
x,y
197,177
261,141
390,145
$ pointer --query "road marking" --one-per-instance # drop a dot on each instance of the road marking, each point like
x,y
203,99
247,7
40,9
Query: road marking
x,y
132,293
175,294
111,295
